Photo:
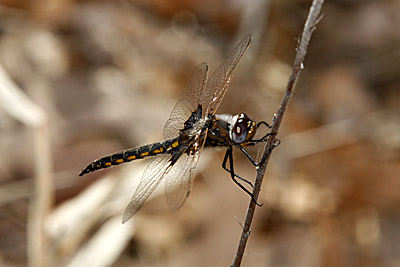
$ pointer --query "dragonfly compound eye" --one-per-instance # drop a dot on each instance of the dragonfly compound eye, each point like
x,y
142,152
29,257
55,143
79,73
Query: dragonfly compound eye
x,y
240,128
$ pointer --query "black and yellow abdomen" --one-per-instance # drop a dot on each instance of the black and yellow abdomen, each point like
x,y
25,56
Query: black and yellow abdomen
x,y
131,154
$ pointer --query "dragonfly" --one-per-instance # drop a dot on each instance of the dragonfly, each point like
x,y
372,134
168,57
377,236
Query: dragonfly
x,y
192,126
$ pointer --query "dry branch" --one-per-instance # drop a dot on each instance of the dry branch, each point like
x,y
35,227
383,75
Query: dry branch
x,y
310,25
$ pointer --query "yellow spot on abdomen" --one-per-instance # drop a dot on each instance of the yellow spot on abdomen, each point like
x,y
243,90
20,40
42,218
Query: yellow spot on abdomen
x,y
131,158
156,151
107,164
119,161
144,154
175,144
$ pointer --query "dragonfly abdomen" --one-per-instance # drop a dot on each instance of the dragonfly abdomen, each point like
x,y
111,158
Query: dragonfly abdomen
x,y
131,154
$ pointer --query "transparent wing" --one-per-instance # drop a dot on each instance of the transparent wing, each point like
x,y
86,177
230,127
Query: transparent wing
x,y
199,91
152,176
187,102
179,181
219,80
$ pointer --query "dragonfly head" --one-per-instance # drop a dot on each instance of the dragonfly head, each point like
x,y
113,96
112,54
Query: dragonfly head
x,y
243,129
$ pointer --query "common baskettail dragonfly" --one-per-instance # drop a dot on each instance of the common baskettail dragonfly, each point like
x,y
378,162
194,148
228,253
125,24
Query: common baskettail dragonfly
x,y
191,126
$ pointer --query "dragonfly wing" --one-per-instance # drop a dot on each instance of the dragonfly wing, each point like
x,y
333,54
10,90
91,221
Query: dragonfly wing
x,y
187,102
220,79
152,176
179,181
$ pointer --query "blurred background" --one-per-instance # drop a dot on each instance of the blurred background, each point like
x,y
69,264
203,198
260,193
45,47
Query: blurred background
x,y
82,79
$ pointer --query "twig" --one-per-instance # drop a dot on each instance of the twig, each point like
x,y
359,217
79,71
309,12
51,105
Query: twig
x,y
309,26
22,108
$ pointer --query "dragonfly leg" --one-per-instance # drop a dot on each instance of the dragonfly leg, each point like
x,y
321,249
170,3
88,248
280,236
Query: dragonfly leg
x,y
231,170
262,139
263,122
276,143
229,155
